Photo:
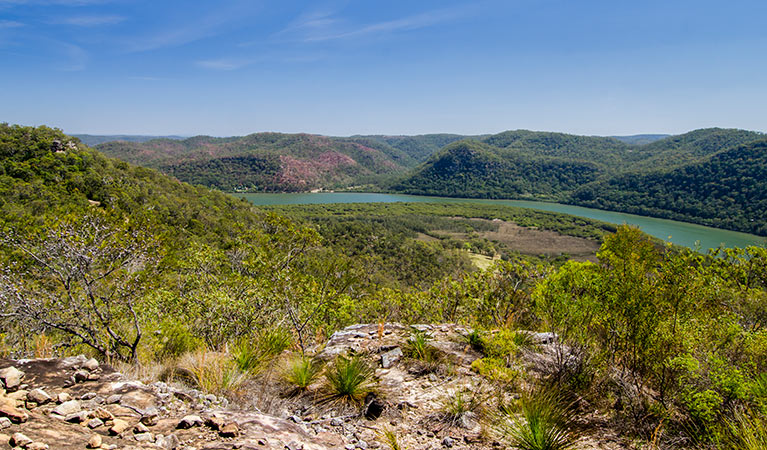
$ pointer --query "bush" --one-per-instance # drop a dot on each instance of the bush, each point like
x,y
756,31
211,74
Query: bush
x,y
545,422
252,355
209,371
349,380
459,404
300,371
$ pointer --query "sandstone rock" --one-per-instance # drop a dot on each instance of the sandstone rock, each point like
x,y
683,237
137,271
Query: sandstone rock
x,y
78,417
37,446
67,408
11,377
170,442
216,423
390,358
150,416
103,414
95,423
19,440
229,430
144,437
38,396
448,442
63,397
14,414
81,375
112,399
190,421
89,396
140,428
4,423
91,365
119,426
94,442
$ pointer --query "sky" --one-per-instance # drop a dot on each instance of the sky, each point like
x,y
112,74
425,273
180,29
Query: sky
x,y
344,67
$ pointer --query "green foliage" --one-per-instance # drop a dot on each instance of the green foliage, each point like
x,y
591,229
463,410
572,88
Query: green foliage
x,y
349,380
496,369
545,422
458,404
175,340
300,371
209,371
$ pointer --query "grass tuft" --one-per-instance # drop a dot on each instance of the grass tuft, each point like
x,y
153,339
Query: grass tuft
x,y
300,371
544,422
211,372
349,380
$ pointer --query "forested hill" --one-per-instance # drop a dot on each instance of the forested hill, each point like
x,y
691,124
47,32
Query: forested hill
x,y
46,175
725,190
279,162
708,176
477,170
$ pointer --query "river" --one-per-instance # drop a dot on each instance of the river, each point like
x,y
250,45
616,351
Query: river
x,y
680,233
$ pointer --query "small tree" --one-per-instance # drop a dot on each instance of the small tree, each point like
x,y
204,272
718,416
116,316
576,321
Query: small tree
x,y
83,277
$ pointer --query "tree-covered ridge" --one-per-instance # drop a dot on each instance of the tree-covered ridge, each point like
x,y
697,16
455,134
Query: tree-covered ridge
x,y
302,161
44,173
477,170
608,174
726,190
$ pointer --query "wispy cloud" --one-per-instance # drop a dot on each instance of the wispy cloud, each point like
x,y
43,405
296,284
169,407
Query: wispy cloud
x,y
53,2
10,24
323,26
75,57
224,63
207,25
146,78
89,21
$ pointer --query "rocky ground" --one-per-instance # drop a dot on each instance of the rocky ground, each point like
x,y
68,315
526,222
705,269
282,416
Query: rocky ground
x,y
77,403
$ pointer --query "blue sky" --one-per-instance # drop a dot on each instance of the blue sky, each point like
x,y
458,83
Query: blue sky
x,y
232,67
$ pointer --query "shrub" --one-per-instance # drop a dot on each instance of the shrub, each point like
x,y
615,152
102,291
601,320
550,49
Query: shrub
x,y
496,370
300,371
175,340
458,405
544,422
748,431
349,380
252,355
209,371
418,347
388,437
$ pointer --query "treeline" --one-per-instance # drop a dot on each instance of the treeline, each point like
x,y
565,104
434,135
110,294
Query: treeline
x,y
713,177
727,190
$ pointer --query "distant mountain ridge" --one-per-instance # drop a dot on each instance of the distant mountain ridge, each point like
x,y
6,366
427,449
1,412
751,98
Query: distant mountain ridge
x,y
92,140
659,177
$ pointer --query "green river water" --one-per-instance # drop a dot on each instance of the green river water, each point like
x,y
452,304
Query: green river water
x,y
680,233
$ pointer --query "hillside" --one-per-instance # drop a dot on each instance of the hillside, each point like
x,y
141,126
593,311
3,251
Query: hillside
x,y
476,170
96,139
370,325
606,173
725,190
277,162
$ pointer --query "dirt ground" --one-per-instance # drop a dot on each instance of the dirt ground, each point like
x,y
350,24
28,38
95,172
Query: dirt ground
x,y
531,241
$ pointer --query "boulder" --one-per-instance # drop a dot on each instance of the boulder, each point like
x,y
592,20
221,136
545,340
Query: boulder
x,y
390,358
38,396
67,408
94,441
119,426
190,421
11,377
19,440
91,365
